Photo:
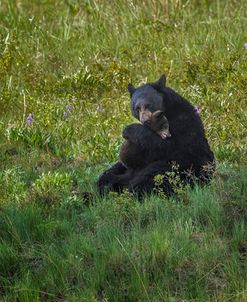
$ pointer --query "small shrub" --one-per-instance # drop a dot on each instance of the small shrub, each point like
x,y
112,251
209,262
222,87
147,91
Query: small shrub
x,y
50,188
12,185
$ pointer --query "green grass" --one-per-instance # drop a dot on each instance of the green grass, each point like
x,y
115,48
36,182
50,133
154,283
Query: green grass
x,y
83,54
191,249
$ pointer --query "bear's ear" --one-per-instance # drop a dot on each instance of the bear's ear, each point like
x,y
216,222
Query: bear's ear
x,y
161,83
131,89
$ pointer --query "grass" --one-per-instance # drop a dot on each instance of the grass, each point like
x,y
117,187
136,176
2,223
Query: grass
x,y
193,249
68,63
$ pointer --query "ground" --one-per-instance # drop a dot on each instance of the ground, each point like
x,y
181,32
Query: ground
x,y
64,69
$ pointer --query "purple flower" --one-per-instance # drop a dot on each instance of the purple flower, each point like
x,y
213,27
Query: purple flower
x,y
29,119
197,109
245,45
65,114
68,107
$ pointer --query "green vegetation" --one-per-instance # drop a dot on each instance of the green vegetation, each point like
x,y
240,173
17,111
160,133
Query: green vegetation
x,y
64,68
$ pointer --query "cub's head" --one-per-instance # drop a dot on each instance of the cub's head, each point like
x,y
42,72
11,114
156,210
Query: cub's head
x,y
159,124
147,99
158,121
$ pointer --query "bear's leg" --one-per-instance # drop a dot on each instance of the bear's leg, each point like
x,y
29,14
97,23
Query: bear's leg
x,y
143,182
113,179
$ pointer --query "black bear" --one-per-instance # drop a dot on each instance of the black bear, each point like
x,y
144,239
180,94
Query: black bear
x,y
187,146
131,156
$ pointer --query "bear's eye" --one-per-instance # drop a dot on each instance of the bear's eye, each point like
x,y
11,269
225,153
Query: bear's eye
x,y
138,108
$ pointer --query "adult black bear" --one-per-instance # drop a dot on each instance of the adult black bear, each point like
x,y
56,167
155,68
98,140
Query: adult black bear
x,y
187,146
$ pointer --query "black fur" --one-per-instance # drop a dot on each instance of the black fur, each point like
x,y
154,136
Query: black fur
x,y
188,146
132,156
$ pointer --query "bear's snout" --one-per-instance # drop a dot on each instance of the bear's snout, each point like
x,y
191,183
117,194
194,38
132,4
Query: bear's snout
x,y
145,117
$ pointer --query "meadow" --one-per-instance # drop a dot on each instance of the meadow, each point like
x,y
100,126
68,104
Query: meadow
x,y
64,70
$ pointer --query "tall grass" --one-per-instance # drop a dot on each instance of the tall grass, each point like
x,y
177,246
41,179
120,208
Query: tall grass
x,y
83,54
117,249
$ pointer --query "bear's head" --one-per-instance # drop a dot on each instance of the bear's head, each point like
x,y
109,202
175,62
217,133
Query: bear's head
x,y
147,99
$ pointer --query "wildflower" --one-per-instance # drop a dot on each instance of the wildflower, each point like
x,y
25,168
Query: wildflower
x,y
197,109
65,114
99,108
245,45
29,119
68,107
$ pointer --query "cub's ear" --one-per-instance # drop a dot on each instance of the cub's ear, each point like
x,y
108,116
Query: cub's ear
x,y
161,83
158,114
131,89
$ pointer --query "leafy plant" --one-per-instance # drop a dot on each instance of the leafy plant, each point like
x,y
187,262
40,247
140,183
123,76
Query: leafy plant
x,y
50,187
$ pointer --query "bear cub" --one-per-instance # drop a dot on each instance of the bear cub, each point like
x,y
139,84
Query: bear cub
x,y
130,152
